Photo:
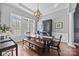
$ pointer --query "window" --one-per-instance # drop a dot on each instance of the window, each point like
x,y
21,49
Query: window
x,y
15,25
32,26
20,25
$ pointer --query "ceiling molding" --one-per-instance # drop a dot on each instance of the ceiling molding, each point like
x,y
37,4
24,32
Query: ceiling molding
x,y
72,7
55,5
16,6
22,5
30,11
56,10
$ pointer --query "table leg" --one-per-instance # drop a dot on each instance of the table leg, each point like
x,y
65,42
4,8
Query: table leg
x,y
44,46
23,42
44,43
30,45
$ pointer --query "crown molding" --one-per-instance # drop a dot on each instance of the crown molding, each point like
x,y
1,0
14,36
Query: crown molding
x,y
65,8
72,7
32,12
22,5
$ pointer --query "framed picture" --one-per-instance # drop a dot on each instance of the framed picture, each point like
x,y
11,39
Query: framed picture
x,y
59,25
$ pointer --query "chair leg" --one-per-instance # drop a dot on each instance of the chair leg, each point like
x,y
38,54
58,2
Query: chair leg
x,y
23,42
0,53
29,45
58,50
43,49
48,48
12,51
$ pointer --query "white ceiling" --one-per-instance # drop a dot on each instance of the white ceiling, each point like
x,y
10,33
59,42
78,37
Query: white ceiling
x,y
45,8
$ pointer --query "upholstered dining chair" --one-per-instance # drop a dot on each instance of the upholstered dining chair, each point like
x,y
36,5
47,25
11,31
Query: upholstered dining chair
x,y
55,44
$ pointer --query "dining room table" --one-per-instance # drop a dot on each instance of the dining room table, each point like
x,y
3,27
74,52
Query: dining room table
x,y
44,39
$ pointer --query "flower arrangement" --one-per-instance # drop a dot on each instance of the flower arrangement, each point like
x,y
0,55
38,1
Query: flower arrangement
x,y
4,28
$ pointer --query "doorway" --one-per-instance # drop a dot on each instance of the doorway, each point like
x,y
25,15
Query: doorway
x,y
76,24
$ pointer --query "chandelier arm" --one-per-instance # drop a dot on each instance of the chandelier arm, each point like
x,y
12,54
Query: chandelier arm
x,y
37,13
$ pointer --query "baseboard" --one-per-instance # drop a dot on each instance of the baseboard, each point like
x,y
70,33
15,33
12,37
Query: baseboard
x,y
72,45
76,44
18,41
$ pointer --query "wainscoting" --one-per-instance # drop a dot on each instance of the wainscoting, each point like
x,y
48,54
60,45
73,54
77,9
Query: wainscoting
x,y
64,36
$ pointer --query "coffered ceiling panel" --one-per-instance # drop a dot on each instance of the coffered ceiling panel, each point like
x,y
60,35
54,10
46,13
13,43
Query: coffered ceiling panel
x,y
45,8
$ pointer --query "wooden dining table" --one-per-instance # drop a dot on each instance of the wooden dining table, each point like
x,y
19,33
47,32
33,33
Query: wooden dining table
x,y
44,39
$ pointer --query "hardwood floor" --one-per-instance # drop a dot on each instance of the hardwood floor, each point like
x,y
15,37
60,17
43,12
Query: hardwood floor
x,y
65,51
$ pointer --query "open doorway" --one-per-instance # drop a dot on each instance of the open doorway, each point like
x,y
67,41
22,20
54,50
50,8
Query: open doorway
x,y
76,24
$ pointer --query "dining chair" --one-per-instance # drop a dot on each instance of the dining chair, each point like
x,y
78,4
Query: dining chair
x,y
55,44
2,37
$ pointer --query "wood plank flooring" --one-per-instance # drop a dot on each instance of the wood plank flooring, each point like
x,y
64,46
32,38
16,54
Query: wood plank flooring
x,y
65,51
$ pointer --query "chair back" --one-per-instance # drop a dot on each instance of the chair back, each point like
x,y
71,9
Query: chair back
x,y
2,37
60,40
44,33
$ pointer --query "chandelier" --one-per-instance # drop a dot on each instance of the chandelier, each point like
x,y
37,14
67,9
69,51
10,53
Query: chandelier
x,y
37,13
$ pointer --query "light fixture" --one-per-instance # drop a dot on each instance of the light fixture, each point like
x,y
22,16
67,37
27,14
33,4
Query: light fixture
x,y
37,13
